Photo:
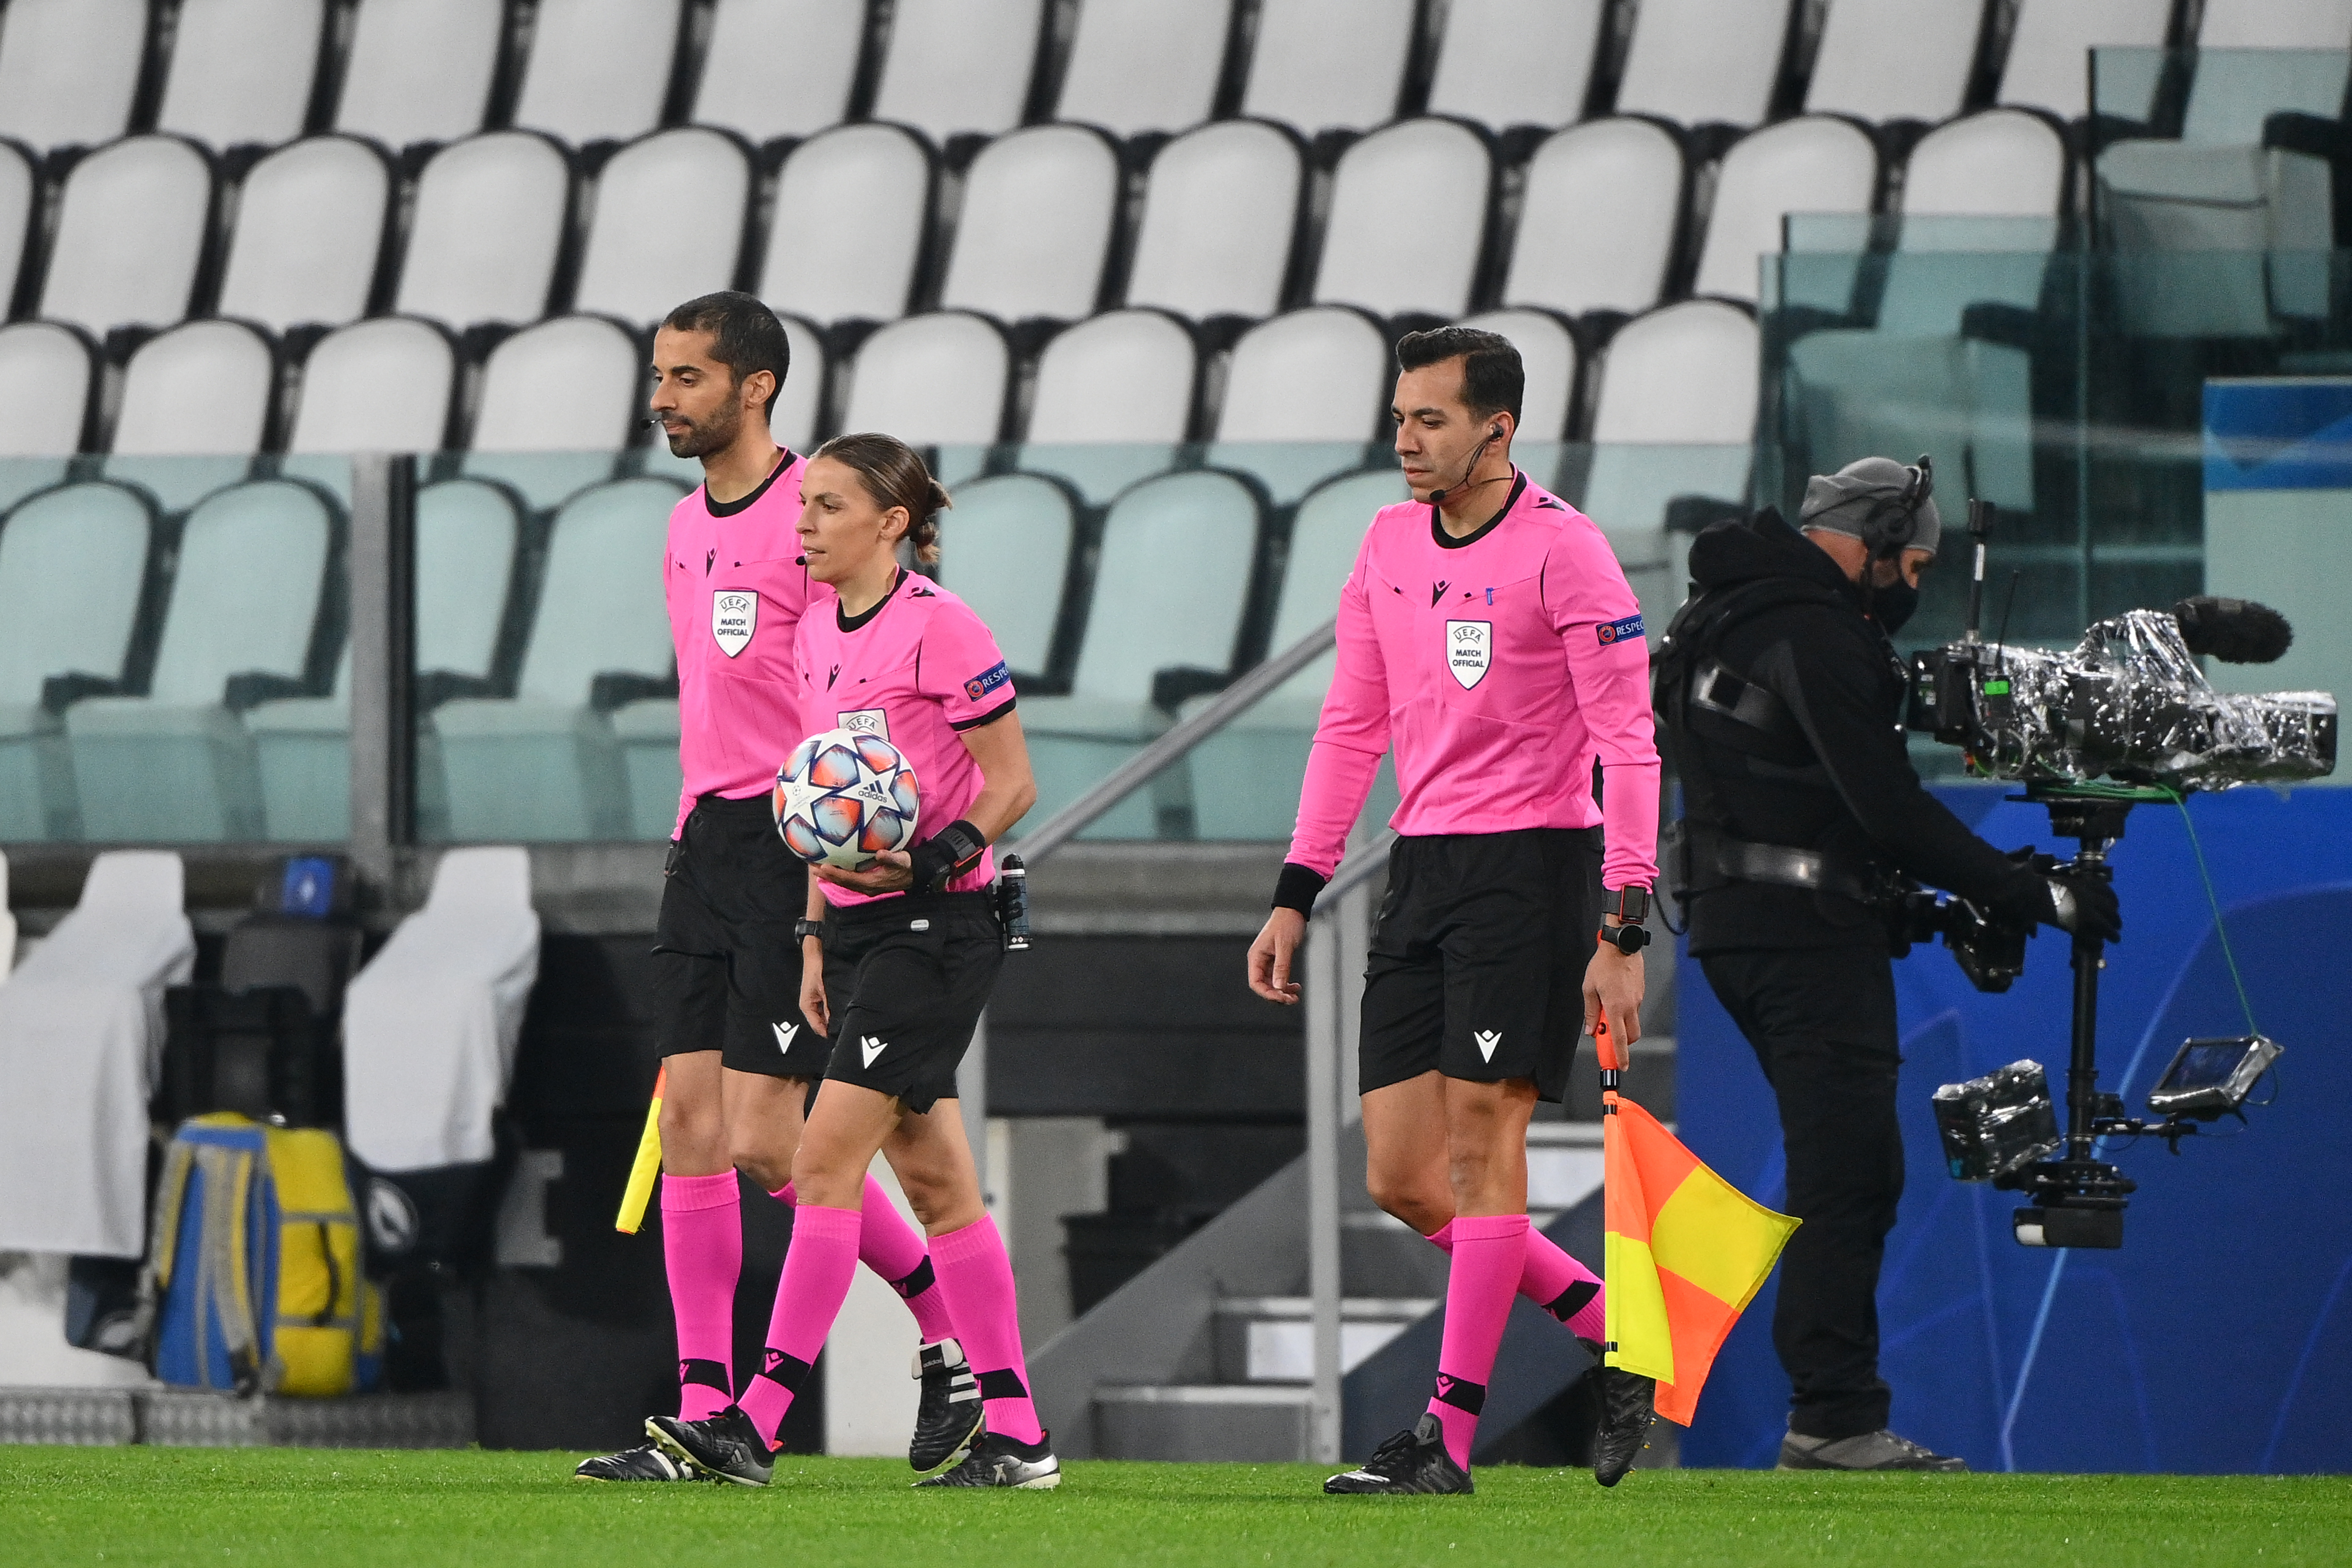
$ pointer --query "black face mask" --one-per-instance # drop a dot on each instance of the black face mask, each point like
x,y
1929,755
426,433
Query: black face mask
x,y
1893,603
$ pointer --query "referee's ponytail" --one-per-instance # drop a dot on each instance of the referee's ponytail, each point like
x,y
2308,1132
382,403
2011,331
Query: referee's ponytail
x,y
894,474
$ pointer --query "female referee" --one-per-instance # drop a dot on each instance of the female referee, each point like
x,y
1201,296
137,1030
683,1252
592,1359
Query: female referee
x,y
898,967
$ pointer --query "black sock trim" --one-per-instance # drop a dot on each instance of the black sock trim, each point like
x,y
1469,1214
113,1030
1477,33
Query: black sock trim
x,y
1573,1299
1002,1384
1460,1392
788,1371
916,1283
708,1373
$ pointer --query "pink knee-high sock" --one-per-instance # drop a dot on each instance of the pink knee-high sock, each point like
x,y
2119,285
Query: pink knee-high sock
x,y
702,1250
817,1269
978,1280
1552,1280
894,1249
1489,1255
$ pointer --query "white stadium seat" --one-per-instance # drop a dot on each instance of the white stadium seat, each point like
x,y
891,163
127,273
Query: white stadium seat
x,y
420,71
1621,177
1704,62
380,386
1548,354
1220,217
557,401
957,68
242,71
1316,380
1139,66
1814,164
1540,78
1004,549
1441,173
668,225
775,70
2048,65
1039,206
131,231
829,270
938,379
2003,162
1112,403
489,220
309,229
46,380
195,404
1895,59
1329,64
599,70
69,70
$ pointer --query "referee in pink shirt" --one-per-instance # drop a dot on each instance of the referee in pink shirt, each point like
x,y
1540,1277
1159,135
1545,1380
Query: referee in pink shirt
x,y
1489,638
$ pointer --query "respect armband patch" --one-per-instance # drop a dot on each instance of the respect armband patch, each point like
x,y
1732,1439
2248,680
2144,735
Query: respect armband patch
x,y
1618,631
988,681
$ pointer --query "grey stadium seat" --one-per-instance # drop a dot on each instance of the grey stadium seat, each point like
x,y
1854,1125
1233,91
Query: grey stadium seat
x,y
557,402
19,191
1315,380
1169,590
1141,66
1621,177
668,225
380,386
1039,207
1442,172
130,230
938,379
420,71
828,270
2048,67
482,241
1702,62
959,68
1814,164
309,228
46,380
545,764
175,764
1884,60
1540,78
72,563
242,71
69,70
779,68
1004,548
1329,64
599,70
1547,353
195,406
1220,217
1113,401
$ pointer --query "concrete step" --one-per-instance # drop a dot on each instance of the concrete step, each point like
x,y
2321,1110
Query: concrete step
x,y
1262,1423
1271,1339
199,1418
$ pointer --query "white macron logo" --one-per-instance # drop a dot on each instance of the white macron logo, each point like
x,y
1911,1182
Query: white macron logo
x,y
871,1047
784,1032
733,618
1486,1040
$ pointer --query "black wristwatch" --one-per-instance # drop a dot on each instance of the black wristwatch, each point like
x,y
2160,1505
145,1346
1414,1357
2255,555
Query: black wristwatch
x,y
1630,904
1627,940
804,928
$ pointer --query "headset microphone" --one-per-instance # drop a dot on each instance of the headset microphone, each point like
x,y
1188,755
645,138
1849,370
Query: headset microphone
x,y
649,424
1494,434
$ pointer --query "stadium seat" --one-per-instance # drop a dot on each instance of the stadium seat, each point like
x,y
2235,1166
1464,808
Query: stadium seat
x,y
545,764
195,406
1004,549
380,385
668,225
1621,177
1887,60
1315,380
72,564
241,70
1815,164
19,190
812,45
1548,356
599,70
1675,415
556,402
466,533
70,70
1329,64
420,71
1219,219
130,230
309,229
2050,44
1267,744
175,764
1701,62
822,265
937,379
959,68
1169,587
489,220
1538,80
46,381
1143,67
1112,403
1440,172
1035,230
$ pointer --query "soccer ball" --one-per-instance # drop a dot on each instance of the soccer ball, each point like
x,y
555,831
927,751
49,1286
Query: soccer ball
x,y
842,798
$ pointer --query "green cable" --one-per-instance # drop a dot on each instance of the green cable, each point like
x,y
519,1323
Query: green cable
x,y
2220,927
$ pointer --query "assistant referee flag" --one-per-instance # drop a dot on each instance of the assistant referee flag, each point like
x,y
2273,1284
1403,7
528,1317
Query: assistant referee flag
x,y
1685,1254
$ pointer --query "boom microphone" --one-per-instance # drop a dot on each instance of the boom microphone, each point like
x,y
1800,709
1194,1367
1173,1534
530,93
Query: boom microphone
x,y
2235,631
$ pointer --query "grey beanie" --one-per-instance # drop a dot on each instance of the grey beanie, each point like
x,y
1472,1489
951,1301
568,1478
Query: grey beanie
x,y
1842,502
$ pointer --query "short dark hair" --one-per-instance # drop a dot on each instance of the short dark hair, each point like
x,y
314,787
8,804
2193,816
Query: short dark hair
x,y
1492,380
746,335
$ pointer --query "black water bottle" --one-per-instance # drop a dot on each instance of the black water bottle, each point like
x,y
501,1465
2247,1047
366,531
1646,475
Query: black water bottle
x,y
1013,903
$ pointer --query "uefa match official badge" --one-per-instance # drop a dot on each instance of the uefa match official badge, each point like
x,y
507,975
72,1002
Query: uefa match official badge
x,y
1469,650
872,722
733,618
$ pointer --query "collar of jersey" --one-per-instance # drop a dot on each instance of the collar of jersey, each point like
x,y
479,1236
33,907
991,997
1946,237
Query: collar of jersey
x,y
1447,542
785,459
849,623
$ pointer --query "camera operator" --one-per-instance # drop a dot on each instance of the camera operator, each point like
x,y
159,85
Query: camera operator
x,y
1780,702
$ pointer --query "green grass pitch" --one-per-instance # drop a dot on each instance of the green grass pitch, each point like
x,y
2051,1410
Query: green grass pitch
x,y
342,1508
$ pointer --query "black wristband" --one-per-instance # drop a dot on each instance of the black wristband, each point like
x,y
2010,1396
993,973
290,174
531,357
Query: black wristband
x,y
947,855
1297,888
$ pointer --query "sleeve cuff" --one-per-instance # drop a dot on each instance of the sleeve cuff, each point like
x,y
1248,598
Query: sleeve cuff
x,y
1297,888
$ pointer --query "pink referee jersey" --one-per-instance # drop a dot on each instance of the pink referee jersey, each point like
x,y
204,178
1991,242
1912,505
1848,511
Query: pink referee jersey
x,y
1498,665
736,587
918,670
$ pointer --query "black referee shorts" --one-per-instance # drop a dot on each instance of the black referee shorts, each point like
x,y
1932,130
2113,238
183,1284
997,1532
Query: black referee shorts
x,y
727,969
906,979
1477,959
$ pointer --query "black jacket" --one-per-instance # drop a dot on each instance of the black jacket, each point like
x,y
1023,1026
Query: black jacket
x,y
1856,797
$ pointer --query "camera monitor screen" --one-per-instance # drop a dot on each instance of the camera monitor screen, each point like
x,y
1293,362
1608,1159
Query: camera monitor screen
x,y
2205,1065
2212,1078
